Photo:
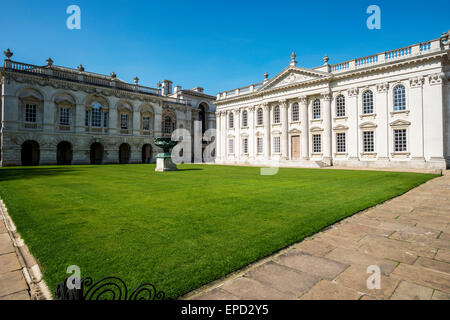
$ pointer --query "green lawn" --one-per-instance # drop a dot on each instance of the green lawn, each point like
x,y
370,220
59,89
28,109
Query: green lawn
x,y
179,230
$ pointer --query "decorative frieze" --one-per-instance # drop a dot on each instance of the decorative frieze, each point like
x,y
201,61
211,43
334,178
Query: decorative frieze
x,y
353,92
436,78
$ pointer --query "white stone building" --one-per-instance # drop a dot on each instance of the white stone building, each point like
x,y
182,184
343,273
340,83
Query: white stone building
x,y
57,115
390,109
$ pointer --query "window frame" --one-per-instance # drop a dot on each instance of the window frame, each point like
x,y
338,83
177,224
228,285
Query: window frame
x,y
30,108
341,142
341,111
314,149
295,112
244,119
276,115
317,110
277,145
368,102
369,139
259,117
395,142
399,103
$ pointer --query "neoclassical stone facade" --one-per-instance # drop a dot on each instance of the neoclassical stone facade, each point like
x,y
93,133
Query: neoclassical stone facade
x,y
390,109
57,115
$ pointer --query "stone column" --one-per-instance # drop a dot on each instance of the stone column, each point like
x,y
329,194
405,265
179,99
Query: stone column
x,y
237,140
251,132
284,144
218,133
80,118
382,111
136,123
224,135
326,136
267,152
303,104
353,120
416,107
113,127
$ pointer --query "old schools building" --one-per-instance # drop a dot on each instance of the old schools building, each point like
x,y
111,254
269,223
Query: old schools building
x,y
57,115
390,109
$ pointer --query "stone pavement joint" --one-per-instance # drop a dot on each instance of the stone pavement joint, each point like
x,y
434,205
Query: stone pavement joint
x,y
408,238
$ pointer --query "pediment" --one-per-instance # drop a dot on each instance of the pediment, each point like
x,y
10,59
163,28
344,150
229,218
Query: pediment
x,y
367,125
294,131
400,123
292,76
340,127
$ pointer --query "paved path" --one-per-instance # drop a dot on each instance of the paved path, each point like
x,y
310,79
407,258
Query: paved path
x,y
12,282
407,237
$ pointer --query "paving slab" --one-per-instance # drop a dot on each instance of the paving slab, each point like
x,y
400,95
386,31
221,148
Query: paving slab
x,y
315,247
355,277
216,294
12,282
354,257
9,262
327,290
433,264
411,291
249,289
284,279
6,245
317,266
423,276
439,295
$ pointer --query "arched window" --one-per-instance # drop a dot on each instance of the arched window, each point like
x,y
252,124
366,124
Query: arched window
x,y
316,109
245,119
399,98
340,106
96,115
368,102
231,120
259,117
276,114
295,113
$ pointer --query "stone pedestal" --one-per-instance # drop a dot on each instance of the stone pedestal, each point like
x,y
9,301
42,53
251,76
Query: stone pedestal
x,y
164,163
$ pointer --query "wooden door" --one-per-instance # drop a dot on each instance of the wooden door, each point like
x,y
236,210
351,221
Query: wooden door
x,y
295,147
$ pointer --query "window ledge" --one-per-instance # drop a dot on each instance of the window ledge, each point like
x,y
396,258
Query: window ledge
x,y
368,116
341,118
341,154
317,120
368,154
406,112
317,154
404,154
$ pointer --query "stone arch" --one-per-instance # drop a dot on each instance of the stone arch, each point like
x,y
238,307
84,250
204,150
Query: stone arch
x,y
30,153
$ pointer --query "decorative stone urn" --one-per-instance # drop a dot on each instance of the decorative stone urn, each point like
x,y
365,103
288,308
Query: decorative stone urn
x,y
164,160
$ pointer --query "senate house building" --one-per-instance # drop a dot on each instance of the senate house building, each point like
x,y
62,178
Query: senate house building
x,y
390,109
56,115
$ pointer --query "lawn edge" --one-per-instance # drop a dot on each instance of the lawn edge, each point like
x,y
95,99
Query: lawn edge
x,y
31,270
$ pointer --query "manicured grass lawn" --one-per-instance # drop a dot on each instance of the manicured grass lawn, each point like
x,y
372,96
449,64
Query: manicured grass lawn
x,y
179,230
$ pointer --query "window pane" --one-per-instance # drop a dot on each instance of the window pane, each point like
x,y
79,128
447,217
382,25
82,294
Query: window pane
x,y
317,143
96,115
400,140
340,142
260,117
64,116
316,109
276,145
368,141
30,113
399,98
276,114
340,106
368,102
295,113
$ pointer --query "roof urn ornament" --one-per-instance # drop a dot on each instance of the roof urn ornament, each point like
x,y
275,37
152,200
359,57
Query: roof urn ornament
x,y
326,59
49,62
266,77
80,68
113,75
293,56
8,54
158,85
136,80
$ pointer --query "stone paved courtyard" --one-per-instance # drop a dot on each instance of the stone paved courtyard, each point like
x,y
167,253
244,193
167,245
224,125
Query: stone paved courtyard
x,y
407,237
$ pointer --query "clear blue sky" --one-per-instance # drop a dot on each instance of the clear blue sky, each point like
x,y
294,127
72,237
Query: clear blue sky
x,y
219,45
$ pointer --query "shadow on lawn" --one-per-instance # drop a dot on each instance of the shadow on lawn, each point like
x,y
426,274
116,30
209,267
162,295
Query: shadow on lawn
x,y
7,174
191,169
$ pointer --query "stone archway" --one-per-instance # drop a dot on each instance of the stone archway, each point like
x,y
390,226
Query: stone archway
x,y
146,153
64,153
97,153
124,153
30,153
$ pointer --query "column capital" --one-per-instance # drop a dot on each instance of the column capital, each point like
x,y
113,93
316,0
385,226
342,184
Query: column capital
x,y
382,87
326,96
416,82
303,100
353,92
252,108
266,106
283,103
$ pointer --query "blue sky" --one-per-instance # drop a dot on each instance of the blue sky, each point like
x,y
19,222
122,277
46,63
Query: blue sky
x,y
219,45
